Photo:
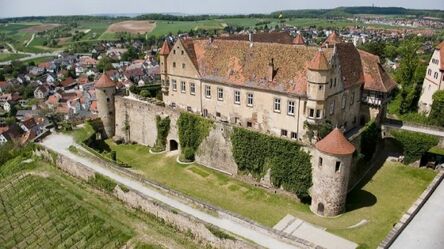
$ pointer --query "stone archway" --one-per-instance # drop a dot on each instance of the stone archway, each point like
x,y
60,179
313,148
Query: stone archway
x,y
320,208
173,145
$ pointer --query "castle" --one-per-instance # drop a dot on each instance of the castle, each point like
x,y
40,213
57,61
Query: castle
x,y
433,81
274,88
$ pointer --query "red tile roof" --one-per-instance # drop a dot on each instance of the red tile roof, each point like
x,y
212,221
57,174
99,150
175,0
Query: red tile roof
x,y
298,40
332,39
68,82
104,82
335,143
93,106
440,47
319,62
375,77
351,67
165,50
268,37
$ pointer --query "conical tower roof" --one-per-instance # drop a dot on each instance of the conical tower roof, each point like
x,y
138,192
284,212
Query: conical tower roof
x,y
332,39
104,82
335,143
298,40
319,62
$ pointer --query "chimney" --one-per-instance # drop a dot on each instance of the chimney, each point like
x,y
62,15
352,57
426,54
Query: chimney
x,y
250,37
271,70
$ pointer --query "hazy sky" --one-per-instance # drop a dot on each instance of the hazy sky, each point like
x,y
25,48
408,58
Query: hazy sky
x,y
9,8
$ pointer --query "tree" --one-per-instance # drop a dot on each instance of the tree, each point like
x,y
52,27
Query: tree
x,y
104,64
437,112
130,55
2,76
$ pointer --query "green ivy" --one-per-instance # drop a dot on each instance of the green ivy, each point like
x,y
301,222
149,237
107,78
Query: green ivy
x,y
256,153
193,129
320,130
163,128
369,138
414,144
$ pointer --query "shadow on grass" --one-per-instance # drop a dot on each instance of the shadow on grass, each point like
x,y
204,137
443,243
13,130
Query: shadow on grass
x,y
360,198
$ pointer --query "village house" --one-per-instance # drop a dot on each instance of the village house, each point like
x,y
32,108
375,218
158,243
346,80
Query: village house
x,y
41,92
280,89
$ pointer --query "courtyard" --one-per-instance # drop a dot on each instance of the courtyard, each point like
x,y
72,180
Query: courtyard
x,y
372,209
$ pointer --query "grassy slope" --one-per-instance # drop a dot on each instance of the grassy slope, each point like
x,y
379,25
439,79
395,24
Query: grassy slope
x,y
49,199
8,57
267,208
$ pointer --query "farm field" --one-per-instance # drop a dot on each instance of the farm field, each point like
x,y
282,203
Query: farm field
x,y
44,208
380,201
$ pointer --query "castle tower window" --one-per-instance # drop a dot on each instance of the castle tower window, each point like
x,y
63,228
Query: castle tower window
x,y
320,161
429,72
249,124
218,114
192,88
237,97
435,75
183,65
331,83
220,94
174,85
182,87
294,135
174,51
311,113
290,108
182,52
334,84
277,105
338,166
318,113
205,112
284,133
250,99
208,92
320,87
174,64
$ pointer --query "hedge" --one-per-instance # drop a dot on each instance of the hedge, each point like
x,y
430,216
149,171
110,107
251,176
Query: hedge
x,y
193,129
414,144
290,166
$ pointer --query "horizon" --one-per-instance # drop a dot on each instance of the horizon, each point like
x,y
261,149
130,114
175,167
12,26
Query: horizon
x,y
25,8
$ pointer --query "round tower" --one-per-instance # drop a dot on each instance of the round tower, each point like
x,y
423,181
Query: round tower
x,y
317,80
105,90
331,172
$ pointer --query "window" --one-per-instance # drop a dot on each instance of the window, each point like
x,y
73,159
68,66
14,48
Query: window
x,y
205,112
174,85
294,135
318,113
183,65
320,87
249,99
107,99
344,99
236,97
208,91
277,105
290,110
334,84
173,105
182,87
174,64
338,166
220,93
311,113
284,133
320,161
218,114
352,98
249,124
189,109
429,72
174,51
435,75
332,108
182,52
192,88
331,83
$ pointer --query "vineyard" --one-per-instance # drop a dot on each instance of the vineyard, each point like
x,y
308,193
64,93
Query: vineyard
x,y
40,207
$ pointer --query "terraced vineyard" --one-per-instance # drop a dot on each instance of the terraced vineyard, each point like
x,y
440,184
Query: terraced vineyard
x,y
40,207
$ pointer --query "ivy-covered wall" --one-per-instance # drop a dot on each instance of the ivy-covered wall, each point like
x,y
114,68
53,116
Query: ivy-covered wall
x,y
414,144
290,166
163,128
192,131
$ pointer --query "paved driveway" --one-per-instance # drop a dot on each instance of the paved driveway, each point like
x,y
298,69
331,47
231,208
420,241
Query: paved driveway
x,y
426,230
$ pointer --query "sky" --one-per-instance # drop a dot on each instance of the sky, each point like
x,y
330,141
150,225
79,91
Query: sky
x,y
15,8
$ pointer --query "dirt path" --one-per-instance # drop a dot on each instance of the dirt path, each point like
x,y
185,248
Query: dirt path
x,y
60,143
30,40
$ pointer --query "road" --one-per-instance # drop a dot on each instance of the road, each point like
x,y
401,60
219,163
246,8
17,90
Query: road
x,y
426,230
425,130
30,40
31,56
60,143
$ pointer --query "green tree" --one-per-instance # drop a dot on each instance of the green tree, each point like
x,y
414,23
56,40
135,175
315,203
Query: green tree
x,y
437,112
104,64
130,55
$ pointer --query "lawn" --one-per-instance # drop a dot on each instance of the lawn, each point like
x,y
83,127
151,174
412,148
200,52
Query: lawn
x,y
44,208
381,201
9,57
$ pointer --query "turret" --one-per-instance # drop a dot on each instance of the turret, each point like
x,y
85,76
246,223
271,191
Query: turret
x,y
105,91
332,40
317,80
163,53
298,40
331,172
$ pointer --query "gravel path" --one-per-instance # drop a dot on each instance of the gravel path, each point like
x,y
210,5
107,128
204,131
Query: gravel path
x,y
60,143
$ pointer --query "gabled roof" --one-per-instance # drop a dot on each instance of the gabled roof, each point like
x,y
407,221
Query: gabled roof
x,y
188,44
350,64
375,77
298,40
165,50
332,40
335,143
319,62
268,37
104,82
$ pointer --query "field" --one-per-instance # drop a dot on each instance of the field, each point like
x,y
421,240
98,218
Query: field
x,y
380,202
44,208
8,56
40,28
133,27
